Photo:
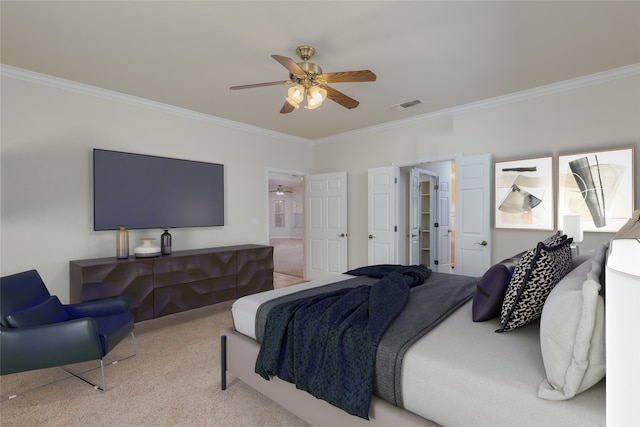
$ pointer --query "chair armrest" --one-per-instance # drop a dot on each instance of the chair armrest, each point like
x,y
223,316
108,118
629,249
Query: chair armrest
x,y
45,346
97,308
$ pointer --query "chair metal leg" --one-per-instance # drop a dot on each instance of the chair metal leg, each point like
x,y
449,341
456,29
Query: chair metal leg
x,y
79,375
135,346
102,366
104,377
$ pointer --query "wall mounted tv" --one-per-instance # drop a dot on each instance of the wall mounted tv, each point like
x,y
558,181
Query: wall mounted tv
x,y
142,191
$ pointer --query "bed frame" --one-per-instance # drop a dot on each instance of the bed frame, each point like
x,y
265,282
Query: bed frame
x,y
238,357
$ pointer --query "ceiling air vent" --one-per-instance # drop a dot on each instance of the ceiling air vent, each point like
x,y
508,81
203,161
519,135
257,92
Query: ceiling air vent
x,y
407,104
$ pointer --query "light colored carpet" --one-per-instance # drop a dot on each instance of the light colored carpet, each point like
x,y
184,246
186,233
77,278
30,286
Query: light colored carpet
x,y
173,381
283,280
288,256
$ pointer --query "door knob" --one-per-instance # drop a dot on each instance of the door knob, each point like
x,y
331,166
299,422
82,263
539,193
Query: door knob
x,y
341,235
483,243
371,236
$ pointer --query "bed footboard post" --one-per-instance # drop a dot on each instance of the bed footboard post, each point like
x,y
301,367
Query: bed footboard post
x,y
223,362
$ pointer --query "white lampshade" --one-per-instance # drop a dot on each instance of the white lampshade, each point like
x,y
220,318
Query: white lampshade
x,y
296,95
572,227
315,97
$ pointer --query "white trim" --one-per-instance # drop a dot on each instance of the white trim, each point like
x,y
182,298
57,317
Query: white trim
x,y
592,79
426,162
58,83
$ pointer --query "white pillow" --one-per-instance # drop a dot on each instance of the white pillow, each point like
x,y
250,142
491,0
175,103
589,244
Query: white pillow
x,y
572,332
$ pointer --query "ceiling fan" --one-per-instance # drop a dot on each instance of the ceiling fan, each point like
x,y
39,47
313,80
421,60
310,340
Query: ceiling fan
x,y
307,76
280,190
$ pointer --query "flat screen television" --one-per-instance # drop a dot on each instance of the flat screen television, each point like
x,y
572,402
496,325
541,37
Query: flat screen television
x,y
142,192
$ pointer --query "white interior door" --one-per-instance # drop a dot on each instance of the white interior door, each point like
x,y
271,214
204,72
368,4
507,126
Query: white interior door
x,y
443,231
473,215
326,225
382,215
414,217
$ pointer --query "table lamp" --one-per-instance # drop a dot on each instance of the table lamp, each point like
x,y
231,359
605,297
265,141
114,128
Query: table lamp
x,y
572,227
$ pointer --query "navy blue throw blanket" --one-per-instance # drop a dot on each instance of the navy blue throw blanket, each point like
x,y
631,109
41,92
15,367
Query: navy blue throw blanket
x,y
419,273
326,344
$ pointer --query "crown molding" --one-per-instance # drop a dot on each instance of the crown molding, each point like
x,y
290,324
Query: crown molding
x,y
56,82
69,85
578,82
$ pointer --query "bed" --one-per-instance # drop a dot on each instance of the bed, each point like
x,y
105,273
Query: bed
x,y
463,373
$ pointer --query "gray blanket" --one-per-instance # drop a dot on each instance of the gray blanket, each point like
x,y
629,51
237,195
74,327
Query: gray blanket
x,y
427,306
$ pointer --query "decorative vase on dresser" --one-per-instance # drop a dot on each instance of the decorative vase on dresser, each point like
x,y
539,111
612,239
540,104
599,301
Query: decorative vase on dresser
x,y
122,243
147,249
165,242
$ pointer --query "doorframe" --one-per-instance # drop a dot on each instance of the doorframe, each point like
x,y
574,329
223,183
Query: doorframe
x,y
304,175
423,164
434,249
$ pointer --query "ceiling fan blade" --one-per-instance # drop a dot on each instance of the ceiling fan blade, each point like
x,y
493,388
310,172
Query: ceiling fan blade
x,y
285,82
346,76
286,108
340,98
290,65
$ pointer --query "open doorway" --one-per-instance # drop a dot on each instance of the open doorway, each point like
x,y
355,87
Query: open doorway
x,y
427,201
469,195
286,225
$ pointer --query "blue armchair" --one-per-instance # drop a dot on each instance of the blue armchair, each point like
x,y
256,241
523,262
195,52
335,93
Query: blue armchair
x,y
37,331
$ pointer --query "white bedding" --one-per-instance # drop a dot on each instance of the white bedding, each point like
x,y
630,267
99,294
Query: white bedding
x,y
244,309
464,374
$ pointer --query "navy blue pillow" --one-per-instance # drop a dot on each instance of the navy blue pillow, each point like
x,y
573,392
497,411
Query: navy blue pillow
x,y
492,287
48,311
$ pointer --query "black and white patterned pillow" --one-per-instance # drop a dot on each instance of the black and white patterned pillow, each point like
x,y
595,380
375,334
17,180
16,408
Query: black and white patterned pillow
x,y
539,270
555,238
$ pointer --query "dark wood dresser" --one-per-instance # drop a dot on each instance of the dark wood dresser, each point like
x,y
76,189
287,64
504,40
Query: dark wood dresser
x,y
171,283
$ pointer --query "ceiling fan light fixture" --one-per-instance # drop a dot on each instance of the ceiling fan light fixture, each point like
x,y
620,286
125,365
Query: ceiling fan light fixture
x,y
295,95
307,76
280,191
315,97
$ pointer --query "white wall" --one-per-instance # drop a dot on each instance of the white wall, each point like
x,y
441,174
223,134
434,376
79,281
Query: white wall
x,y
48,133
600,115
46,174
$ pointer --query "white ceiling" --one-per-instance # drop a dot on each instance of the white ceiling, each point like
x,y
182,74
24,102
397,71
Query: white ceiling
x,y
446,53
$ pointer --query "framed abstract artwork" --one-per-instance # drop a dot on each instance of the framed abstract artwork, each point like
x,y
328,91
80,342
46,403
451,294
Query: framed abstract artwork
x,y
598,186
523,194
